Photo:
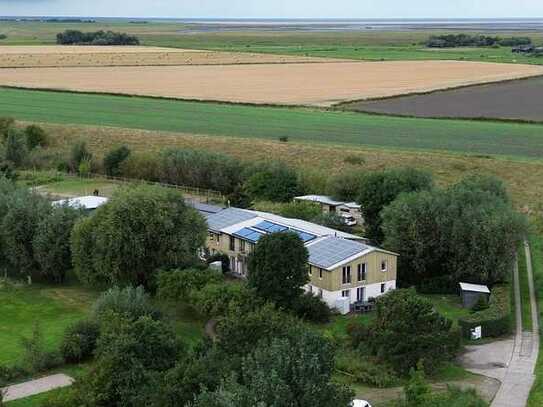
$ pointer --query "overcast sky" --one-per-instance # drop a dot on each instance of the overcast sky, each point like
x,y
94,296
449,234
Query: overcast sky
x,y
276,8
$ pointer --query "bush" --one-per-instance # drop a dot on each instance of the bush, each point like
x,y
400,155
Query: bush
x,y
132,303
15,148
312,308
176,285
216,300
35,358
70,37
114,159
274,182
79,154
496,320
366,370
346,186
79,341
7,170
333,221
11,374
301,210
223,258
35,137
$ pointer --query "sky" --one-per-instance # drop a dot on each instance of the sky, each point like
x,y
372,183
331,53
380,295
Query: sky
x,y
276,8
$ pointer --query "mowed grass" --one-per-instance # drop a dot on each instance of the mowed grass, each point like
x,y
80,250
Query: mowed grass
x,y
298,124
53,308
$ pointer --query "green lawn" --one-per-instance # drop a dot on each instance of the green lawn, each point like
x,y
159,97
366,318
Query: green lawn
x,y
299,124
54,308
536,243
449,306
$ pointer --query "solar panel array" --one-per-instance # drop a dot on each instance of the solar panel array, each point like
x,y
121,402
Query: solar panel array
x,y
333,250
249,234
228,217
306,237
270,227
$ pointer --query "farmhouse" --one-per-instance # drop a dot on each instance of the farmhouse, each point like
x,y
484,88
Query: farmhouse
x,y
349,211
341,265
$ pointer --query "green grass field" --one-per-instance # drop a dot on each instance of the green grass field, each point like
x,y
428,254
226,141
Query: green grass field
x,y
298,124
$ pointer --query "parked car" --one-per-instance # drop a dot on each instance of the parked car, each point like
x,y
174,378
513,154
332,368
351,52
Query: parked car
x,y
349,220
360,403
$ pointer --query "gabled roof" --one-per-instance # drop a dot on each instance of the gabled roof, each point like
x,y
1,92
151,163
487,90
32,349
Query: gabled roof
x,y
326,200
83,202
331,251
205,209
228,217
474,288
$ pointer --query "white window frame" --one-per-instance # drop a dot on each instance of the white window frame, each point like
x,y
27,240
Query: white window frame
x,y
348,292
346,276
362,271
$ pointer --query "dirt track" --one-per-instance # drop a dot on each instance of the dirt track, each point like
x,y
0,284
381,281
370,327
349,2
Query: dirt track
x,y
78,56
309,84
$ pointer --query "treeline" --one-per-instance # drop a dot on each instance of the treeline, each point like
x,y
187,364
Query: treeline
x,y
74,37
466,40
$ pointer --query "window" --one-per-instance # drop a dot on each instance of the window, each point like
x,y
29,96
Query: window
x,y
310,270
361,272
232,243
384,265
242,246
211,236
320,274
361,294
346,293
347,275
383,288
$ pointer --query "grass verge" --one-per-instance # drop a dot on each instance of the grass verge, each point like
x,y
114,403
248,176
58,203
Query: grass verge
x,y
536,244
524,291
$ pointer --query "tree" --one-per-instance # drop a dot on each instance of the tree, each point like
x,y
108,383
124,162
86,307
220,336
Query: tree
x,y
485,183
346,185
140,230
273,182
445,236
15,148
19,227
379,189
35,137
51,244
408,330
332,220
301,210
278,268
78,155
7,171
114,159
6,123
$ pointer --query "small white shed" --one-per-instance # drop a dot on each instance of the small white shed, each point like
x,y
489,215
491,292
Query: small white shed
x,y
472,292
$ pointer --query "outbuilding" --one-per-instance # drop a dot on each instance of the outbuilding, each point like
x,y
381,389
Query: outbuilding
x,y
471,293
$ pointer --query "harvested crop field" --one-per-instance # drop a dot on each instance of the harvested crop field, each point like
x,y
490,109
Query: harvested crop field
x,y
289,84
516,100
77,56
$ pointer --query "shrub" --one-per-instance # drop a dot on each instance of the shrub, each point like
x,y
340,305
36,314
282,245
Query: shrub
x,y
79,154
366,370
11,374
35,358
215,300
35,137
312,308
15,148
79,341
114,159
176,285
141,166
301,210
346,185
6,123
283,139
132,303
496,320
7,170
274,182
332,220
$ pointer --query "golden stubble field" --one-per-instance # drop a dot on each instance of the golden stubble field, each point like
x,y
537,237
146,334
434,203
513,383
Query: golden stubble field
x,y
523,178
316,84
88,56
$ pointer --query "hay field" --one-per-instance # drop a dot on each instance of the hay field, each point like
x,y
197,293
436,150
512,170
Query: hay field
x,y
78,56
286,84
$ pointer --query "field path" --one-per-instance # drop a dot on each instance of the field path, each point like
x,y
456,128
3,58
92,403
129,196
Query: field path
x,y
519,376
38,386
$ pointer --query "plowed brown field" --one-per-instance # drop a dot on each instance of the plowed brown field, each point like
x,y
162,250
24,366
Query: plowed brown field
x,y
74,56
290,84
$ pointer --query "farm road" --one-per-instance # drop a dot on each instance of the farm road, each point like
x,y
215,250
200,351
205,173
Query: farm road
x,y
33,387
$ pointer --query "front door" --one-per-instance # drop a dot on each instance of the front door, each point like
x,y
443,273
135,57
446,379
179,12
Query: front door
x,y
361,294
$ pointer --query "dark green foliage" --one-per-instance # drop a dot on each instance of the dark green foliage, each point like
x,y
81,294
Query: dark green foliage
x,y
301,210
417,390
294,370
278,268
19,226
223,258
216,300
458,234
52,247
6,123
408,330
7,171
177,285
79,154
74,37
467,40
311,308
346,185
480,305
484,183
79,341
15,149
36,358
366,370
496,320
273,182
201,169
140,230
114,159
379,189
332,220
129,302
35,136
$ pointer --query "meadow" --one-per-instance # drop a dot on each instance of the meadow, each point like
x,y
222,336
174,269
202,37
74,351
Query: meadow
x,y
297,124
